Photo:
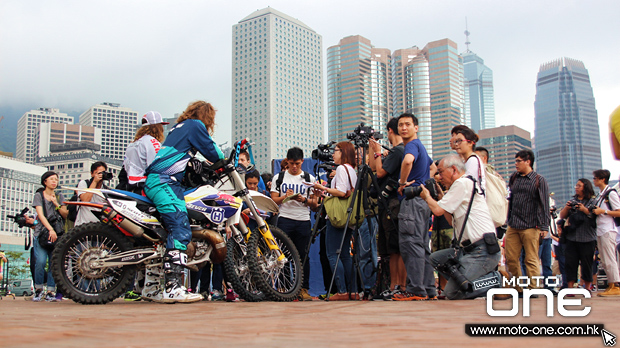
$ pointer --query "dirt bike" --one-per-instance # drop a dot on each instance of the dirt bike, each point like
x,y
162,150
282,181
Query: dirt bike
x,y
95,263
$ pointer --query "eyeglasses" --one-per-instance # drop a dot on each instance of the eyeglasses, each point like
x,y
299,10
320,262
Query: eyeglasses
x,y
458,142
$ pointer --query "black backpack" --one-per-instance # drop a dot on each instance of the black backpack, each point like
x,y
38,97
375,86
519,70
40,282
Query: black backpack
x,y
281,179
606,200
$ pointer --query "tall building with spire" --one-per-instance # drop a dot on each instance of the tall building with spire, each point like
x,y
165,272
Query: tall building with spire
x,y
566,136
479,112
277,88
359,85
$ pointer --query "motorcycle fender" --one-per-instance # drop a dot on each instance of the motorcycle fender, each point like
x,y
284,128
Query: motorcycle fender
x,y
263,202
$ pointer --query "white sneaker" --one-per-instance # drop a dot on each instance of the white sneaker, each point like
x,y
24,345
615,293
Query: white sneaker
x,y
38,295
180,294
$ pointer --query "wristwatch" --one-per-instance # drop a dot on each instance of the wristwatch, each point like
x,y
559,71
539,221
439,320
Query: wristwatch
x,y
377,155
605,213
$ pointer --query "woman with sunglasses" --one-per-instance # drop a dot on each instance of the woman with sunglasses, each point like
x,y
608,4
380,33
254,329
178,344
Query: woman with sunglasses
x,y
464,141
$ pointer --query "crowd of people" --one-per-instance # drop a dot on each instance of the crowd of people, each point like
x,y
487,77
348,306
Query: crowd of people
x,y
415,227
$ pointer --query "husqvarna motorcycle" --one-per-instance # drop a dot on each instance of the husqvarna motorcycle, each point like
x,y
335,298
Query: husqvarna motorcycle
x,y
95,263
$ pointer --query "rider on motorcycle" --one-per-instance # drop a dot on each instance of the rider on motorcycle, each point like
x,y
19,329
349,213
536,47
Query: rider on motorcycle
x,y
163,187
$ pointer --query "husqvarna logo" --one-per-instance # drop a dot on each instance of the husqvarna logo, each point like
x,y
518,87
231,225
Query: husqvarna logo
x,y
217,216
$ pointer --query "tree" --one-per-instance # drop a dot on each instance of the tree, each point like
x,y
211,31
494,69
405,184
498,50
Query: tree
x,y
18,269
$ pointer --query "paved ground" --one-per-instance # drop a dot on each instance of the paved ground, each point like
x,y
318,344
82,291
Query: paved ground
x,y
268,324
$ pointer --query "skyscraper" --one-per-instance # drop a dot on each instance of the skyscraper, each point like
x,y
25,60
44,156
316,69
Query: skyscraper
x,y
117,124
411,91
277,89
359,84
479,109
567,138
429,84
27,127
503,143
446,92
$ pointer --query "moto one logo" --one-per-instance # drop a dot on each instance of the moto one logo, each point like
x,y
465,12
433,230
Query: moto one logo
x,y
523,282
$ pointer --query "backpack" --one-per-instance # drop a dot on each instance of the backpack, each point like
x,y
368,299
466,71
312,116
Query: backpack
x,y
606,200
281,179
495,195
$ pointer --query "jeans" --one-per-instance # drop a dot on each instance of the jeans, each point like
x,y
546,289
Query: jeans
x,y
544,253
42,257
367,250
473,265
299,232
344,268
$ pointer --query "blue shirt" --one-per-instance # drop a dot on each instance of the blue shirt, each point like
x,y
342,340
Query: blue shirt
x,y
420,170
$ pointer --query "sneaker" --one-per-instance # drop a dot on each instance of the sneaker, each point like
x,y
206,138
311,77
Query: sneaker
x,y
179,294
340,297
58,297
217,295
132,296
407,296
231,296
304,295
50,297
38,295
354,296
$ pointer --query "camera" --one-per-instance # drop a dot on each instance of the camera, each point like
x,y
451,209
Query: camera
x,y
324,152
554,212
362,133
19,219
390,188
412,192
451,269
107,176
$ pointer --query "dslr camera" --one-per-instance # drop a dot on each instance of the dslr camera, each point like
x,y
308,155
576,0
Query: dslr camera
x,y
362,133
412,192
19,219
451,269
107,176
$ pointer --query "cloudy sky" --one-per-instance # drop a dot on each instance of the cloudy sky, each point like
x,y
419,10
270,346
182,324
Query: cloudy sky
x,y
161,55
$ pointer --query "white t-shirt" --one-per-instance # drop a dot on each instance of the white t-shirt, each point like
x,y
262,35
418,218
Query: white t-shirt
x,y
84,214
456,201
341,180
292,209
474,167
605,223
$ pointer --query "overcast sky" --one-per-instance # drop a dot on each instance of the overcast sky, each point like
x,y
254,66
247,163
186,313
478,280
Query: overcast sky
x,y
161,55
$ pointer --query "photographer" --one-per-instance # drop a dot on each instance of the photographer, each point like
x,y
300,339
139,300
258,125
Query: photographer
x,y
98,175
388,171
608,208
478,252
579,233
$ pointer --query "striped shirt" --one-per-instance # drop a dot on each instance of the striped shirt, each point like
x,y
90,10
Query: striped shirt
x,y
529,206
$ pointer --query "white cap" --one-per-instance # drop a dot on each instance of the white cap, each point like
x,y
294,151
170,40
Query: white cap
x,y
153,117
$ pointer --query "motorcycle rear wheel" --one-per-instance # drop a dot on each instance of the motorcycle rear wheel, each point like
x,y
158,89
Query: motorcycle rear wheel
x,y
279,282
73,256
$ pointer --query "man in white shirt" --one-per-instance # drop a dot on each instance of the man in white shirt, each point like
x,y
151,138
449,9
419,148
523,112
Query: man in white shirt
x,y
294,216
608,208
478,253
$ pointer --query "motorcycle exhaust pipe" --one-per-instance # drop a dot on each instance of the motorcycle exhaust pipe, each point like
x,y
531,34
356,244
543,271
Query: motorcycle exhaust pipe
x,y
217,242
111,216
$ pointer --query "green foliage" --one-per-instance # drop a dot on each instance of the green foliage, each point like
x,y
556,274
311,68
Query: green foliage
x,y
18,269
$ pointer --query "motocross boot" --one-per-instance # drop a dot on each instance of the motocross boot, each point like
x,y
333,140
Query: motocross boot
x,y
152,290
174,291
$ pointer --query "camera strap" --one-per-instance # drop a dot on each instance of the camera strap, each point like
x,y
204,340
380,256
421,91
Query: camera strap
x,y
471,201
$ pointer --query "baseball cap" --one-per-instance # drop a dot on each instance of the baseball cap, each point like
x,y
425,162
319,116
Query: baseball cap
x,y
153,117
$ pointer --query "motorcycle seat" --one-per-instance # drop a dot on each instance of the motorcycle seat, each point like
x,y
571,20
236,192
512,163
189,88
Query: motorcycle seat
x,y
135,196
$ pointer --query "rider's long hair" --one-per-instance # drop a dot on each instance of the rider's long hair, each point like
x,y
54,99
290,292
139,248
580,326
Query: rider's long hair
x,y
200,110
154,130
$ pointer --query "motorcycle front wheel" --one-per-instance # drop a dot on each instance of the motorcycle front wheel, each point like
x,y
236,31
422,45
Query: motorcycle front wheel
x,y
279,280
74,262
238,272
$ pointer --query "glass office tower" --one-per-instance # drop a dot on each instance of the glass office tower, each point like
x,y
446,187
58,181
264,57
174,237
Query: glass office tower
x,y
567,139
